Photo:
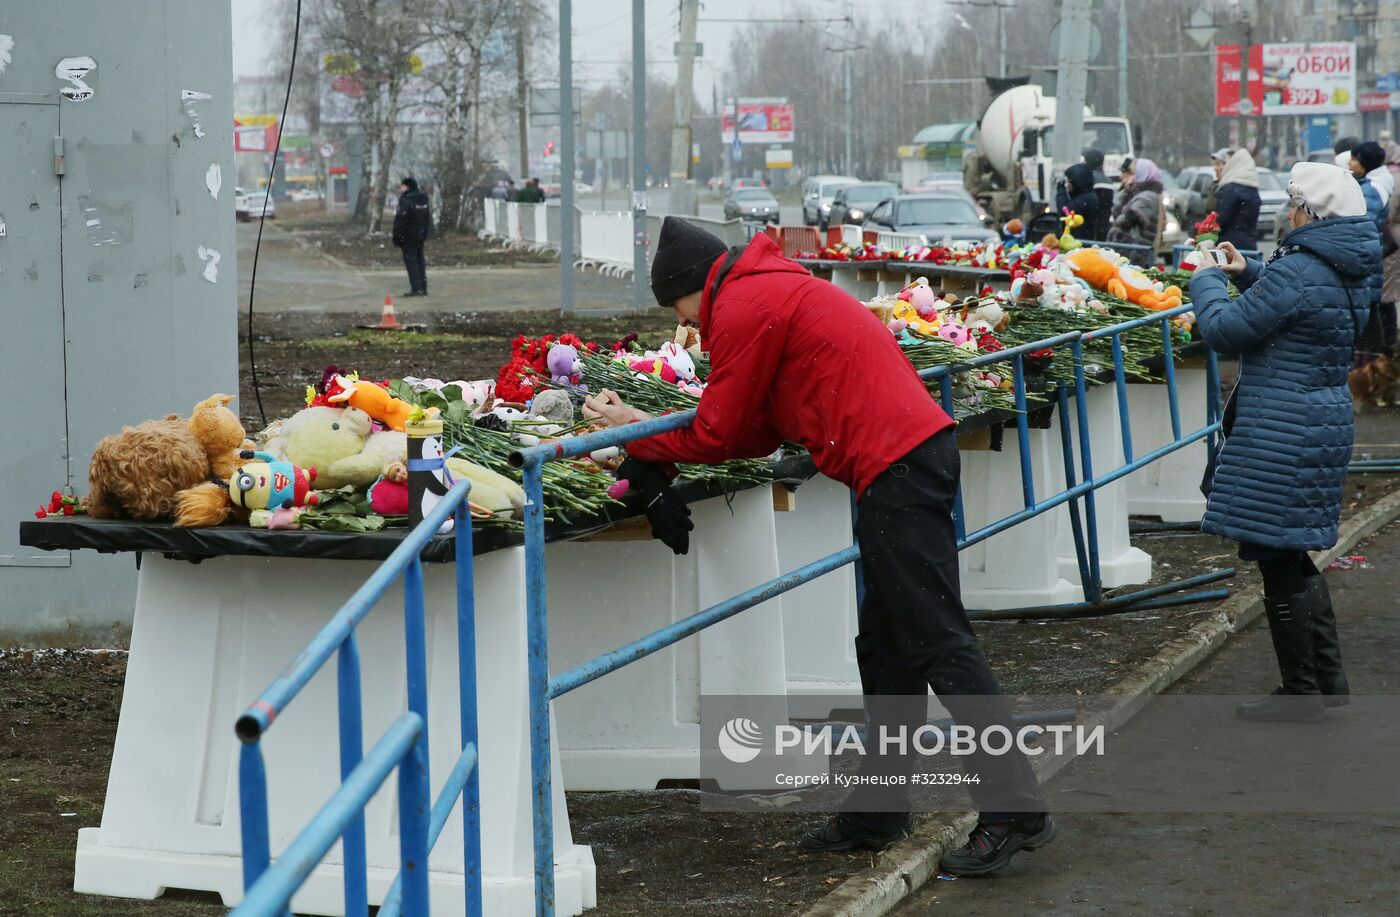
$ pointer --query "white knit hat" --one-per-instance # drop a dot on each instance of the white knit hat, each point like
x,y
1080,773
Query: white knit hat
x,y
1325,191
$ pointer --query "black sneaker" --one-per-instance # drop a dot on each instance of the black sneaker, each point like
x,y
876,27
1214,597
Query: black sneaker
x,y
991,846
840,833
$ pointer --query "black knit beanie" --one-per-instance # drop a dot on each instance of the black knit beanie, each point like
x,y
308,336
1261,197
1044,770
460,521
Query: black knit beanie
x,y
410,183
684,255
1369,154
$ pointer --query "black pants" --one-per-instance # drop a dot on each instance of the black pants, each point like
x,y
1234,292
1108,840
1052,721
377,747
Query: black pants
x,y
914,634
417,266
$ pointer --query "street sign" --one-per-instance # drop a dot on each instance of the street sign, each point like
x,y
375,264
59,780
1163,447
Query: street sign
x,y
1388,82
681,46
327,150
601,144
737,150
778,159
544,106
1201,27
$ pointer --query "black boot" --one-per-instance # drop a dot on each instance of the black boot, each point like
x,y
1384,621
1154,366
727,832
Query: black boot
x,y
1297,699
844,832
990,846
1331,678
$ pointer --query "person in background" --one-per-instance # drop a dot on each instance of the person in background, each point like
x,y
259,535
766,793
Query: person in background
x,y
1076,192
1370,157
1139,221
1390,249
1125,189
1237,200
1359,161
532,193
512,193
1209,198
413,223
1105,189
498,191
1277,479
793,358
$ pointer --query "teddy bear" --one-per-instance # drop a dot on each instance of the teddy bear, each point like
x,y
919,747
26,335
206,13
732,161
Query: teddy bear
x,y
140,472
340,443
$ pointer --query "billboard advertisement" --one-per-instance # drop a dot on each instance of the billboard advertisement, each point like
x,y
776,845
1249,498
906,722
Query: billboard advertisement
x,y
254,133
1287,79
1310,79
760,121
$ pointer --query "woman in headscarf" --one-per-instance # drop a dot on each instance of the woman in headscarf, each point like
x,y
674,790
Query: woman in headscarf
x,y
1277,482
1140,219
1237,201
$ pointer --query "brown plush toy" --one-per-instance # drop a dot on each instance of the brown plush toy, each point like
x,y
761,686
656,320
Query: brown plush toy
x,y
140,472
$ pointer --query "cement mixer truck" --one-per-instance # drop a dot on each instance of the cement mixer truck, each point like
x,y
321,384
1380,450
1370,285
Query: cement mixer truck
x,y
1010,172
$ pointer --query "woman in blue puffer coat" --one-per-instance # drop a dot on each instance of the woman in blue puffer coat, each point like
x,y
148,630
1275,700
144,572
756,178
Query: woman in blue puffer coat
x,y
1277,487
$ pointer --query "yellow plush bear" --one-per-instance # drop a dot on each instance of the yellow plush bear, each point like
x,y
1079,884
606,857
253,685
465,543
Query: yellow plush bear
x,y
338,443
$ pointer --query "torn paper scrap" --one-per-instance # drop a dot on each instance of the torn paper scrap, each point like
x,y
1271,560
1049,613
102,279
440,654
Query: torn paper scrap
x,y
7,44
187,99
75,70
211,263
213,179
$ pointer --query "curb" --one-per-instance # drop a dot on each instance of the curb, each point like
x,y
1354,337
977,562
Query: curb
x,y
909,864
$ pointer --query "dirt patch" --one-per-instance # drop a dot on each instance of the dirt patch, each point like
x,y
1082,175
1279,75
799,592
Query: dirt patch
x,y
457,345
350,243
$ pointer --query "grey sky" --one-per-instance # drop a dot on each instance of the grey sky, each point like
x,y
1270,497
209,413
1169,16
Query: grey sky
x,y
603,33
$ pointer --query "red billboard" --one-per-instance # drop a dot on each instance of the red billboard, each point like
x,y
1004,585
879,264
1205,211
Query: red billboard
x,y
760,121
1228,71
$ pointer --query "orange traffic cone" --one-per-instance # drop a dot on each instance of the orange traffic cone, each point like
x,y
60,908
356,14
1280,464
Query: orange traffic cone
x,y
387,320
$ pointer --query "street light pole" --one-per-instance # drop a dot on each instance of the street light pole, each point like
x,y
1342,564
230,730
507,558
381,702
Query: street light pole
x,y
566,160
639,155
846,78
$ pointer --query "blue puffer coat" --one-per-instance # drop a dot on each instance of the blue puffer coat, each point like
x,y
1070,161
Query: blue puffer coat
x,y
1376,210
1279,479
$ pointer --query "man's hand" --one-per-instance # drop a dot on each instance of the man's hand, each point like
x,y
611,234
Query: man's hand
x,y
667,513
607,409
1236,265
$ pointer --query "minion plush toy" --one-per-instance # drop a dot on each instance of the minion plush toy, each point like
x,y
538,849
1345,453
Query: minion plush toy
x,y
270,484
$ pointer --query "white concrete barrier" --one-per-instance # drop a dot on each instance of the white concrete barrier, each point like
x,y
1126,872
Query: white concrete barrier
x,y
606,241
1168,488
208,638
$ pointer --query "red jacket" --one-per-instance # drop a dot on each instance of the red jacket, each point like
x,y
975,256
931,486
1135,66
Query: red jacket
x,y
795,358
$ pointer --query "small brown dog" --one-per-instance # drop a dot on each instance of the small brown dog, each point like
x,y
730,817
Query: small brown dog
x,y
1374,382
140,472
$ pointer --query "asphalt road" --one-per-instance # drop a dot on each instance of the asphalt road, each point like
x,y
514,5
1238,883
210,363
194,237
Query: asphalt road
x,y
1209,863
295,278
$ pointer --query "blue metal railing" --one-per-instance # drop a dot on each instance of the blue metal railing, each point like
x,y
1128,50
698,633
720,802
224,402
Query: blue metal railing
x,y
269,889
543,689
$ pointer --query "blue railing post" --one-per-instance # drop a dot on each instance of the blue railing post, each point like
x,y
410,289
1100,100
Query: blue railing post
x,y
351,751
467,694
537,651
1023,434
1169,373
1120,383
1093,588
414,799
252,809
1067,448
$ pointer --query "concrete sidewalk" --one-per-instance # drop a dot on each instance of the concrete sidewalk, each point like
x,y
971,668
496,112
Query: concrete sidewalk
x,y
293,277
1235,864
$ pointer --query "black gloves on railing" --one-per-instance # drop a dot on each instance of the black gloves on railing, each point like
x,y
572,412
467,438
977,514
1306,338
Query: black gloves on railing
x,y
667,513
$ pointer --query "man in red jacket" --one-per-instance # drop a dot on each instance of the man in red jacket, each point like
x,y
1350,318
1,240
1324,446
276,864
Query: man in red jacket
x,y
793,358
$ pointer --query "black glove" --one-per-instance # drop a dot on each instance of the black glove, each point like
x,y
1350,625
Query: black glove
x,y
667,513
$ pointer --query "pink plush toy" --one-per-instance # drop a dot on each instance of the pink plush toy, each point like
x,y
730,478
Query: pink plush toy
x,y
920,295
954,333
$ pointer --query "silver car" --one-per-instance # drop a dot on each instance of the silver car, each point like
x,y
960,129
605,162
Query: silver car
x,y
817,194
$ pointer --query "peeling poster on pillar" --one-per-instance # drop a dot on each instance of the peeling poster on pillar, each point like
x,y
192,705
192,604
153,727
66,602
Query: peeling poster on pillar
x,y
76,71
188,98
211,263
214,179
7,44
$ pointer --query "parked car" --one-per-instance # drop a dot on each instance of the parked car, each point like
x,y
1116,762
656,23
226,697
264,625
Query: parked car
x,y
261,205
853,203
752,204
818,191
747,183
297,195
1175,201
240,205
934,215
940,181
